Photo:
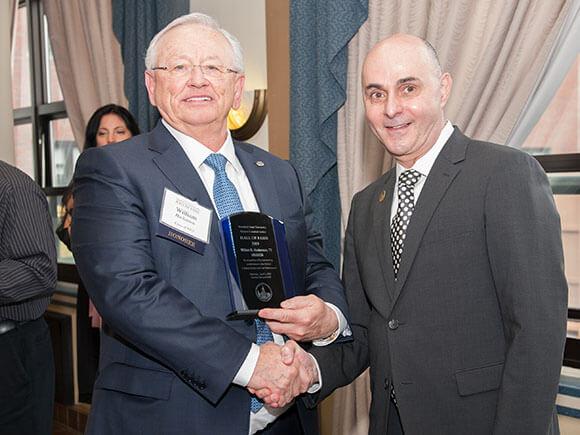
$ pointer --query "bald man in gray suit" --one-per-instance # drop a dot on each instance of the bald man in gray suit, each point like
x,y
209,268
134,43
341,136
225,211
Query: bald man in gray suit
x,y
453,268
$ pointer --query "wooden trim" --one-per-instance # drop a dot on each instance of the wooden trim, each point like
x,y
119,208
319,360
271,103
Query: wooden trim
x,y
560,162
278,54
572,353
62,324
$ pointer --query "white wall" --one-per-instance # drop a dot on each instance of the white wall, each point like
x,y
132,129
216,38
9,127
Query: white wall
x,y
247,21
6,123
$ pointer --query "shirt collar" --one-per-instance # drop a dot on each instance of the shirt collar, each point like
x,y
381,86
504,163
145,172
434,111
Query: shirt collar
x,y
424,164
198,152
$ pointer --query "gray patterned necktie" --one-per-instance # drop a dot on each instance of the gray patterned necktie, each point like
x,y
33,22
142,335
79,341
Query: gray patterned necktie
x,y
228,202
406,194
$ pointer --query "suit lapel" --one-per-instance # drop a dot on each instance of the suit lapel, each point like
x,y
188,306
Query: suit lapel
x,y
382,235
177,168
261,179
442,174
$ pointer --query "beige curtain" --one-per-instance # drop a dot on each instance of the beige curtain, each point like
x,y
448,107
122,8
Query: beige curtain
x,y
494,49
12,11
87,57
558,129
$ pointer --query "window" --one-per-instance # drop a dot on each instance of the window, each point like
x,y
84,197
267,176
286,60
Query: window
x,y
44,144
554,142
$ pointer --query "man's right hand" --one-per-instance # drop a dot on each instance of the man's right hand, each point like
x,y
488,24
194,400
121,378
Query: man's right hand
x,y
282,373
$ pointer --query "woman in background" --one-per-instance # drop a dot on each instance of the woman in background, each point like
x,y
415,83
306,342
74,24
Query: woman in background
x,y
109,124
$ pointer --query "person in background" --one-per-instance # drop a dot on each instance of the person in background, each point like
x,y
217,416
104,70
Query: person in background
x,y
27,280
108,124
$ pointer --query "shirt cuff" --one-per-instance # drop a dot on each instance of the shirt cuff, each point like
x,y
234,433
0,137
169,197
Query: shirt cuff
x,y
343,328
246,371
315,388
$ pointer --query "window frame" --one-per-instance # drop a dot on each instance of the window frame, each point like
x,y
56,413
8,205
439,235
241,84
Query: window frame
x,y
40,113
565,163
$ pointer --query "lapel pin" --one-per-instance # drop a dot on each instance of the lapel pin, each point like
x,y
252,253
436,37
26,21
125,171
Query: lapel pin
x,y
382,196
259,163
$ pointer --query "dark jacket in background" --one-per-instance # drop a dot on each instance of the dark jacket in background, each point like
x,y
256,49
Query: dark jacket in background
x,y
27,279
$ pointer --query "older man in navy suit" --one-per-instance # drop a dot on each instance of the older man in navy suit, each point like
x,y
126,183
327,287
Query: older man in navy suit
x,y
170,362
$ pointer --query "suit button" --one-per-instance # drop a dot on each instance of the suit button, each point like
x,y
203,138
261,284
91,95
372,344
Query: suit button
x,y
393,324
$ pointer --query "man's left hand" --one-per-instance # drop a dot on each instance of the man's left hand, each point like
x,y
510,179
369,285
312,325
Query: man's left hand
x,y
302,318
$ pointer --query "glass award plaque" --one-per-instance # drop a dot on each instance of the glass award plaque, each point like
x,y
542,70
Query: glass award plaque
x,y
258,263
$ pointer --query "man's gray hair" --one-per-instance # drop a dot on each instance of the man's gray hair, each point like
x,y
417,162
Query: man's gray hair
x,y
202,20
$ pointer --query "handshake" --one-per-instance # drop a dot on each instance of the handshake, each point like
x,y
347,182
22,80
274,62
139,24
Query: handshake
x,y
282,373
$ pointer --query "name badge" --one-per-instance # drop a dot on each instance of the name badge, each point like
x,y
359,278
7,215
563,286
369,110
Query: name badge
x,y
184,221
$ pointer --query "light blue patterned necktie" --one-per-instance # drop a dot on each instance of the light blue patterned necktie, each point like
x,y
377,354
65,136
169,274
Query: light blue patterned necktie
x,y
228,202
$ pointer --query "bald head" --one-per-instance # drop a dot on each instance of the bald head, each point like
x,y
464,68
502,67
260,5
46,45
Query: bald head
x,y
405,43
405,93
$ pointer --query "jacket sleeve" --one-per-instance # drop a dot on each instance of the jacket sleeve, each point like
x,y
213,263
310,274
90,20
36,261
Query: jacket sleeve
x,y
28,260
525,253
341,363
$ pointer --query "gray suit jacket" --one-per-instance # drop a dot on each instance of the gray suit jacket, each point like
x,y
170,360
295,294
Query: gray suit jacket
x,y
472,332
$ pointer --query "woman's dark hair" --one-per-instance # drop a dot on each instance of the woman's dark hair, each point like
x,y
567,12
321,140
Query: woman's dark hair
x,y
67,194
95,121
61,231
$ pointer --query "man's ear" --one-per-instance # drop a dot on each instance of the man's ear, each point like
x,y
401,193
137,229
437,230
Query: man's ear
x,y
150,85
238,91
445,84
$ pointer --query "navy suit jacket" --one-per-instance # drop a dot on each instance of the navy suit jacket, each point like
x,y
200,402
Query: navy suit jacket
x,y
168,357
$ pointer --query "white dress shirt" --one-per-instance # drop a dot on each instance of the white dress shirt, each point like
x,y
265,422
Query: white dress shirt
x,y
197,153
423,165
